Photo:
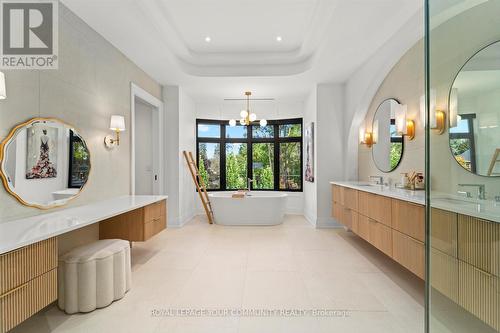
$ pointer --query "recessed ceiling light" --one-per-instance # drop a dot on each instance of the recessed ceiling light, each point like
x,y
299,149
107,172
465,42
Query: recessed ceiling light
x,y
208,39
279,38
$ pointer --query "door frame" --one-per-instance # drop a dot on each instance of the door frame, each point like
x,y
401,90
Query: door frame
x,y
138,92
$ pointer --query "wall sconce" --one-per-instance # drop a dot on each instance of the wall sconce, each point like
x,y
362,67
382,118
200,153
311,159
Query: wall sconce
x,y
453,109
404,126
365,138
116,124
437,119
3,91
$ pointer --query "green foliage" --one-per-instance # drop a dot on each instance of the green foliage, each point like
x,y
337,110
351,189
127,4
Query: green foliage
x,y
236,166
263,162
395,155
290,165
459,146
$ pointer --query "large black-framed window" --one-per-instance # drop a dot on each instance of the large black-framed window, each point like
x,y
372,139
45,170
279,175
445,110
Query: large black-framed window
x,y
271,156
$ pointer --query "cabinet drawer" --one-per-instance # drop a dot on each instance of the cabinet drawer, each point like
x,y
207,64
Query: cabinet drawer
x,y
381,237
154,211
444,274
409,252
444,231
479,293
409,218
22,265
478,243
337,212
375,206
363,227
24,301
154,227
351,198
338,194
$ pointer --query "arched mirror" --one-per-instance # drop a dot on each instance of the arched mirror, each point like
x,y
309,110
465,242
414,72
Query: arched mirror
x,y
474,107
44,163
388,146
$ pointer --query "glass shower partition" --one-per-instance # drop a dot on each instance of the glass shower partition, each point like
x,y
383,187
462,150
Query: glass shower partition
x,y
462,104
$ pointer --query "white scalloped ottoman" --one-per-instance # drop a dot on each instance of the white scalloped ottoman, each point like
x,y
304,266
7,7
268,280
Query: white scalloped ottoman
x,y
94,275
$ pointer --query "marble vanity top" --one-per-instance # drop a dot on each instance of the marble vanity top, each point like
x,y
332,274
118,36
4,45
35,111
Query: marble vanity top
x,y
483,209
417,197
21,232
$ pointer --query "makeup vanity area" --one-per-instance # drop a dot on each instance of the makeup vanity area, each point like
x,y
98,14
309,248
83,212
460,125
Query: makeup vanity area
x,y
55,159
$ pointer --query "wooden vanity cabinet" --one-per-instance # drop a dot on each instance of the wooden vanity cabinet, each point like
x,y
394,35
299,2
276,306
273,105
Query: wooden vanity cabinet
x,y
28,282
137,225
395,227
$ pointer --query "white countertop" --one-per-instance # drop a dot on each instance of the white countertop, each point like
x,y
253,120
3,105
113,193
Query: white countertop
x,y
21,232
417,197
483,209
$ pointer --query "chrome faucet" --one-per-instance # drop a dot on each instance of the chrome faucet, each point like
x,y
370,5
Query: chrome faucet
x,y
380,179
481,190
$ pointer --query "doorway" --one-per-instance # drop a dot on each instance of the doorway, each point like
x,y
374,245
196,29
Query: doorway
x,y
147,143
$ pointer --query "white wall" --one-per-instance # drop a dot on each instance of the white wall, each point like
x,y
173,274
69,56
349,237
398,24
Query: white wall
x,y
330,147
310,189
180,129
364,83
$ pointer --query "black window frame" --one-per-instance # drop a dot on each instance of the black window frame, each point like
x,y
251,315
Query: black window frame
x,y
249,140
468,136
72,140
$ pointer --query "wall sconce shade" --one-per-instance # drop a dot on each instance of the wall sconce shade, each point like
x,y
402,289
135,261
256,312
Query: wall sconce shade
x,y
374,134
3,91
437,118
404,126
117,124
453,109
400,119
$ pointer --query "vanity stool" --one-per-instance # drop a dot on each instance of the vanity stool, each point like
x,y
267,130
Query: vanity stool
x,y
94,275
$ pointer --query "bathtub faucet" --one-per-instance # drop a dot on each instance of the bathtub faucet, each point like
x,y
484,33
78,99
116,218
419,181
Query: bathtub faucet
x,y
249,180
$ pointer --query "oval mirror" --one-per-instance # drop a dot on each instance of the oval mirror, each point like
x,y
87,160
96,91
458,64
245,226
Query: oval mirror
x,y
44,163
474,107
388,146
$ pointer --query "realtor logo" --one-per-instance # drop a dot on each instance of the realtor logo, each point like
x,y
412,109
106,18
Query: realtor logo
x,y
29,34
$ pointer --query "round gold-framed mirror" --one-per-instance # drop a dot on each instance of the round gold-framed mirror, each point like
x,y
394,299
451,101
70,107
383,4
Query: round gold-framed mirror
x,y
44,163
388,145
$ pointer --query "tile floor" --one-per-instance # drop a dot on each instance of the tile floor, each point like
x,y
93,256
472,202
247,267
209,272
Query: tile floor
x,y
291,266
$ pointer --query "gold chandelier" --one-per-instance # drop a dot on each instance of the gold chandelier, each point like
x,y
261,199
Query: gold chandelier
x,y
248,117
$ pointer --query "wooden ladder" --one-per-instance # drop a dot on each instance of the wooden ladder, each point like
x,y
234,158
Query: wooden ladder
x,y
200,185
494,160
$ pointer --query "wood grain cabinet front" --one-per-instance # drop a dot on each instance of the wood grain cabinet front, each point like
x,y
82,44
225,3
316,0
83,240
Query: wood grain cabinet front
x,y
138,225
28,282
375,206
408,218
381,237
409,252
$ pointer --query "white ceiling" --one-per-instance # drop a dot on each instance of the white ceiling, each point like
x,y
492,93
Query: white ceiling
x,y
323,40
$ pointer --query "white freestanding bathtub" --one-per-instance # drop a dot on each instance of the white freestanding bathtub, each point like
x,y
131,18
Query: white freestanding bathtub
x,y
256,208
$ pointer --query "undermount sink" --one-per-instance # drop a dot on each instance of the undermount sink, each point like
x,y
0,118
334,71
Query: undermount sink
x,y
485,206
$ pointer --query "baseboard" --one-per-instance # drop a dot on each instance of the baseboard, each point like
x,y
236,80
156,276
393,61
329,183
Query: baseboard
x,y
323,223
311,219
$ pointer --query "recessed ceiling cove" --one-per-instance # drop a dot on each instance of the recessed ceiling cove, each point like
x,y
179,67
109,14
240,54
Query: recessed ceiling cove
x,y
240,37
